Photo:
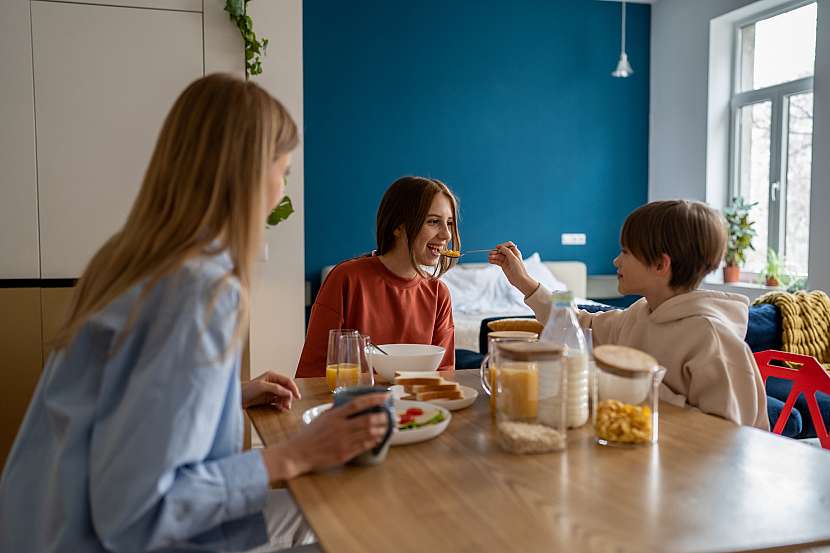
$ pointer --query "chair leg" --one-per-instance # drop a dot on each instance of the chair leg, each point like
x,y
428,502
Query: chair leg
x,y
786,410
818,421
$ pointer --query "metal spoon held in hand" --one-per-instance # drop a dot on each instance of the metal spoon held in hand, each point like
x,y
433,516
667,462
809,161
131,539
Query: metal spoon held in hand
x,y
456,254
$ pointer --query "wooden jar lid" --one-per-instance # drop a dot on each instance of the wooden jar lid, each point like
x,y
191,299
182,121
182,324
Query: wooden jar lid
x,y
530,351
623,359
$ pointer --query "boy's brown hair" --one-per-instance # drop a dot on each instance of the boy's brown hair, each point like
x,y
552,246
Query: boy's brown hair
x,y
692,234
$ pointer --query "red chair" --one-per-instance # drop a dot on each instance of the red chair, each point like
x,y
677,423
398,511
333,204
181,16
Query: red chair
x,y
807,376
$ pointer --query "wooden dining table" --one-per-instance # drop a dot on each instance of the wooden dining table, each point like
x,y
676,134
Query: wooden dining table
x,y
707,485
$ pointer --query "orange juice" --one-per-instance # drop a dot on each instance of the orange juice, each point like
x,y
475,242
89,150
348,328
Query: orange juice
x,y
349,375
519,391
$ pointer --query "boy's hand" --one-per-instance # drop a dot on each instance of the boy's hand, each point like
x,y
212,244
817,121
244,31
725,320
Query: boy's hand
x,y
509,258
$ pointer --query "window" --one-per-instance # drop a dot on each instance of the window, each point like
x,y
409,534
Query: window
x,y
772,129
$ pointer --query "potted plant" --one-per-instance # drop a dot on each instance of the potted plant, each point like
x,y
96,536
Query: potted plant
x,y
773,271
740,235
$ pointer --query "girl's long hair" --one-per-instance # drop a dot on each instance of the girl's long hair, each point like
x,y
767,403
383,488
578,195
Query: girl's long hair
x,y
206,185
406,203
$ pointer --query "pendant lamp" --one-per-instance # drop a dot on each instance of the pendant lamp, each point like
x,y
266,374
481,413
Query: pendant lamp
x,y
623,67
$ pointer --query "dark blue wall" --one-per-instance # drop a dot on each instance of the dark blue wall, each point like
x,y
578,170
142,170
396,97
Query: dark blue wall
x,y
511,103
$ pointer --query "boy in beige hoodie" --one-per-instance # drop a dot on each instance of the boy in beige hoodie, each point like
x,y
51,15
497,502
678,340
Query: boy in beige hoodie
x,y
667,249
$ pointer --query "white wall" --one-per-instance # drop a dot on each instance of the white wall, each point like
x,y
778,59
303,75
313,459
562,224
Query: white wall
x,y
278,310
19,253
679,91
278,295
819,269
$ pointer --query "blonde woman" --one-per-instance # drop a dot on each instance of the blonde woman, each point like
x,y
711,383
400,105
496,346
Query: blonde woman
x,y
132,441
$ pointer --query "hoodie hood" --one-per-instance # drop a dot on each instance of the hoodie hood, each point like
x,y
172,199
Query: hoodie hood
x,y
731,310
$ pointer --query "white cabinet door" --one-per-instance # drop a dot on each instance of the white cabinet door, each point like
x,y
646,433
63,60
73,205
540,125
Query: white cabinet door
x,y
105,77
18,173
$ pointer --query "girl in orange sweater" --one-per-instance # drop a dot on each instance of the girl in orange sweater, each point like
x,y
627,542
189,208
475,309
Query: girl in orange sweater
x,y
389,295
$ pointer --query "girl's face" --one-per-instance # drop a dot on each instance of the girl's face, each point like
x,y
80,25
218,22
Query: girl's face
x,y
276,180
435,233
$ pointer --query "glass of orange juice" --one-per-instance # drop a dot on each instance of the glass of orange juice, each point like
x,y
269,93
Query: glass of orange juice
x,y
347,363
332,356
353,365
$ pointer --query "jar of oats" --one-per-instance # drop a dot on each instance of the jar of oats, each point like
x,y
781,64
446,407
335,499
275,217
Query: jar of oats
x,y
626,396
530,391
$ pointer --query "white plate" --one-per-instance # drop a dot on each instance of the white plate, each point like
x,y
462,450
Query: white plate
x,y
469,395
400,437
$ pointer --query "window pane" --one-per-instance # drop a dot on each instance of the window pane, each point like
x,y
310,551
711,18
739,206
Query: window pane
x,y
799,160
754,152
778,49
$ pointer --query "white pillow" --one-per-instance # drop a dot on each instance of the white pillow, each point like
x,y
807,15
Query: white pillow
x,y
538,271
475,290
486,289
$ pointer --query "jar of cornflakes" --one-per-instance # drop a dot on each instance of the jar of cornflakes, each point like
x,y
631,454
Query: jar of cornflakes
x,y
530,390
626,395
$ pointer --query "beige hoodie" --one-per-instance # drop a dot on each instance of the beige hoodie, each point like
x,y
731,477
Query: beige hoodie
x,y
698,337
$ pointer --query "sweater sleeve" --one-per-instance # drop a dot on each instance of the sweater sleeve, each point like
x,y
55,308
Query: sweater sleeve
x,y
539,302
326,314
723,379
444,334
605,326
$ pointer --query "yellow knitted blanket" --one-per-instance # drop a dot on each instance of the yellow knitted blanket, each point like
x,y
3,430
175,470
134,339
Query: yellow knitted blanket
x,y
805,318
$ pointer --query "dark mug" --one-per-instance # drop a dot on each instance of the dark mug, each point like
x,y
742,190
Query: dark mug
x,y
377,454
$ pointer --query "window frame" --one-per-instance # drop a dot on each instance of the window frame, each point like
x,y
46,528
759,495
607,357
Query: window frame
x,y
778,96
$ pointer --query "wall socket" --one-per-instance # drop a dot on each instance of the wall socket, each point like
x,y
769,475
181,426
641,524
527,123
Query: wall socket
x,y
574,239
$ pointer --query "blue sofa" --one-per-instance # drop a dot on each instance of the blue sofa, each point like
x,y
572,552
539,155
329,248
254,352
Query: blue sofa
x,y
763,332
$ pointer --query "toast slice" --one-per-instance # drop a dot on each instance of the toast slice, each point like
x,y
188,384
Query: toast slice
x,y
427,396
413,379
442,387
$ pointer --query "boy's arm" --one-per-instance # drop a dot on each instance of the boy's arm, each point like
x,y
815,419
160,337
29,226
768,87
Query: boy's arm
x,y
604,326
723,379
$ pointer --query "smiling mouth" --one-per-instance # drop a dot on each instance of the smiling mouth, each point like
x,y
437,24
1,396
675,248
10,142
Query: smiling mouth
x,y
435,249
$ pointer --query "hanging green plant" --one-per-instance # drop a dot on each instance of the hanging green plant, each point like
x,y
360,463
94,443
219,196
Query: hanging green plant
x,y
254,51
254,48
281,212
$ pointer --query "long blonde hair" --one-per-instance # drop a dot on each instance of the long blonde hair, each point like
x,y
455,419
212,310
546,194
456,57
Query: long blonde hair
x,y
206,182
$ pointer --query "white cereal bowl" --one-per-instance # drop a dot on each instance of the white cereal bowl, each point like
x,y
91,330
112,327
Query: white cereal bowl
x,y
405,357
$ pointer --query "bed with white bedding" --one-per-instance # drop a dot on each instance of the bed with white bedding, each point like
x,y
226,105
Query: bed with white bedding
x,y
480,290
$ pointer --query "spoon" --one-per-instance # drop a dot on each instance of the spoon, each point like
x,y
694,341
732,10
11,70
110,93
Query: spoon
x,y
455,254
377,347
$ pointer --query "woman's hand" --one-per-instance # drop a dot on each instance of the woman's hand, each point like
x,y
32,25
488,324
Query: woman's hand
x,y
270,388
331,439
509,258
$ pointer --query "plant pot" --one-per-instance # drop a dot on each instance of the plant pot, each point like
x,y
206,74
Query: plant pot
x,y
773,282
732,273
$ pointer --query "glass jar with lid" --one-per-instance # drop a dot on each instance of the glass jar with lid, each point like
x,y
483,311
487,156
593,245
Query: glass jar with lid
x,y
530,396
626,396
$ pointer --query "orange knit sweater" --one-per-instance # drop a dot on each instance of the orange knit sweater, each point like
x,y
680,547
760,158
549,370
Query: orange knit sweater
x,y
364,295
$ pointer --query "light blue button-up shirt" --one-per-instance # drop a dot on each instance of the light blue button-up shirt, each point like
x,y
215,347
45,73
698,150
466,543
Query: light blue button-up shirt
x,y
138,448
